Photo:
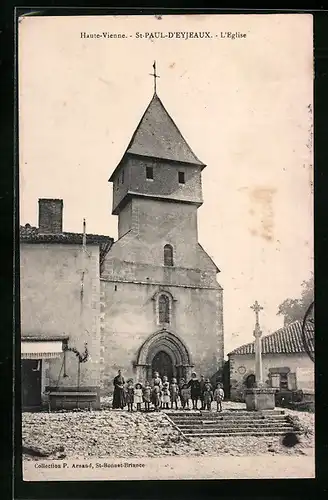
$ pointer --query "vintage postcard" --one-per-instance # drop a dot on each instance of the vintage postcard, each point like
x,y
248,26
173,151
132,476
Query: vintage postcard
x,y
166,247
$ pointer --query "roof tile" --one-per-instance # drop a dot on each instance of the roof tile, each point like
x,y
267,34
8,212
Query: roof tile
x,y
286,340
31,234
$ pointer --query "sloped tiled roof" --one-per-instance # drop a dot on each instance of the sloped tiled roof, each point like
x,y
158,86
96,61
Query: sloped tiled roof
x,y
158,136
31,234
40,337
286,340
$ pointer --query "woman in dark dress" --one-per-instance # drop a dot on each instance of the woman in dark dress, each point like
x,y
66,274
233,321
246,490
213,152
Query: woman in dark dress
x,y
119,394
194,385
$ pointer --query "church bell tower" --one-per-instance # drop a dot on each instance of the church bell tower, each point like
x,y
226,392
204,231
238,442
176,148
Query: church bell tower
x,y
157,184
163,304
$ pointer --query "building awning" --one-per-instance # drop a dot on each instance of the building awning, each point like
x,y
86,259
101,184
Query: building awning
x,y
41,349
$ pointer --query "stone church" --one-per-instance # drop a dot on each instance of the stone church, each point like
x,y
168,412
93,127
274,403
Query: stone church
x,y
154,301
161,303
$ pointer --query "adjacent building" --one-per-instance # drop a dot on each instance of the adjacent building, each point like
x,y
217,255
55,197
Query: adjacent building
x,y
286,365
59,302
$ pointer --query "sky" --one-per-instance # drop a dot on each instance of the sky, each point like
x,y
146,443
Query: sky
x,y
244,105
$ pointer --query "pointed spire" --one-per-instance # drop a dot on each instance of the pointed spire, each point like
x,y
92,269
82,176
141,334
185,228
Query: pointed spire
x,y
158,136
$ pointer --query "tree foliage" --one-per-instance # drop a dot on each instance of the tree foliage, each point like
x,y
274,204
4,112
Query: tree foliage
x,y
295,309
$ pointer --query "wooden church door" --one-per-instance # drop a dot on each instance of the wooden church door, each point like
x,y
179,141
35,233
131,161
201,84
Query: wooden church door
x,y
162,364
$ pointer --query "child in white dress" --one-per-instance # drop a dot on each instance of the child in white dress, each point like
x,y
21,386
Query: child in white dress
x,y
166,393
138,396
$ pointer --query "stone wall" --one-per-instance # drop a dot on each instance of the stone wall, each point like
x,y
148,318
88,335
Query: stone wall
x,y
138,254
243,365
129,318
164,184
52,304
134,272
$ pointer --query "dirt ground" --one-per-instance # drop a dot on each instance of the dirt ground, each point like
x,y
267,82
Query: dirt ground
x,y
119,434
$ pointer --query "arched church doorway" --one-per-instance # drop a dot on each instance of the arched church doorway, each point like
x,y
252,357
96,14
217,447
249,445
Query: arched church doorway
x,y
162,363
250,381
165,353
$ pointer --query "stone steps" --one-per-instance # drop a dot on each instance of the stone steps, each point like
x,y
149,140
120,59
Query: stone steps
x,y
241,423
226,425
227,419
237,429
241,433
195,413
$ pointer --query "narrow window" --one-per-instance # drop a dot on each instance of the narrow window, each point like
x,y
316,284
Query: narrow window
x,y
181,177
122,176
149,173
283,381
168,255
164,309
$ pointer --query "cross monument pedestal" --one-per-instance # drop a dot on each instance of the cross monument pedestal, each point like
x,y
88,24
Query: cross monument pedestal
x,y
259,397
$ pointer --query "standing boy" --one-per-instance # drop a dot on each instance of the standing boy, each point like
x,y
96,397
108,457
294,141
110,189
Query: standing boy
x,y
208,395
174,393
219,397
184,395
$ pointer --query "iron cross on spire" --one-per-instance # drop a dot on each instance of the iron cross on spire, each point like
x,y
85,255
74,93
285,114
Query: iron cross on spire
x,y
256,308
155,76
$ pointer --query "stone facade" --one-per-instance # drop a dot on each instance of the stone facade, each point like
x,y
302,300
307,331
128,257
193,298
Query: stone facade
x,y
156,210
152,295
298,367
54,304
164,183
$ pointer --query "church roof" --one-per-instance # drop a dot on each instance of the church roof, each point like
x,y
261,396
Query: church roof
x,y
31,234
158,136
286,340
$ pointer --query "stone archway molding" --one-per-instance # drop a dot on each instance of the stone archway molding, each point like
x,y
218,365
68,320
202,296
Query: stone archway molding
x,y
169,342
164,340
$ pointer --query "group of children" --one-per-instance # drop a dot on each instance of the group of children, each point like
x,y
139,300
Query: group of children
x,y
164,394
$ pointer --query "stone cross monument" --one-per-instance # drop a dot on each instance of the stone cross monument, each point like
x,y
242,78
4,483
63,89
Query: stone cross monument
x,y
260,397
257,345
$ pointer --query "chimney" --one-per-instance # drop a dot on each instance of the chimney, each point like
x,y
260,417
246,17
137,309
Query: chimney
x,y
50,216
